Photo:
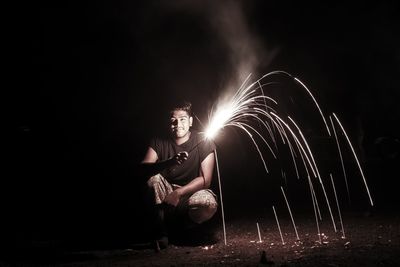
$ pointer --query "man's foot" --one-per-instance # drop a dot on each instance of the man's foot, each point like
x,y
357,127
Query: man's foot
x,y
161,243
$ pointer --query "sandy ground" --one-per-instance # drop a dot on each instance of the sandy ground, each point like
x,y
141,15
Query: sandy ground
x,y
372,240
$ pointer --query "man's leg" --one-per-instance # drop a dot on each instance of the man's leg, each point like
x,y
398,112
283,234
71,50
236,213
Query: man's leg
x,y
194,211
159,188
202,205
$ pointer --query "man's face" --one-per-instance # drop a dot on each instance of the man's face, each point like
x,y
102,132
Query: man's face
x,y
180,123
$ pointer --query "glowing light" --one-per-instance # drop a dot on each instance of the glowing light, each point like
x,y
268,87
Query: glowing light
x,y
220,119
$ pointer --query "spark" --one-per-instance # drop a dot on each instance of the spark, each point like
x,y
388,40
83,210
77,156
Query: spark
x,y
338,207
341,159
220,196
316,103
329,205
314,197
258,115
279,227
320,180
356,158
311,165
284,176
290,212
315,210
259,234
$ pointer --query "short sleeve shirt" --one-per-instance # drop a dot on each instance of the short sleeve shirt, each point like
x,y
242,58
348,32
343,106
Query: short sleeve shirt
x,y
199,149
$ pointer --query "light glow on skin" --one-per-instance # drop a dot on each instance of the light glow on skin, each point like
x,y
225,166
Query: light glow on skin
x,y
180,123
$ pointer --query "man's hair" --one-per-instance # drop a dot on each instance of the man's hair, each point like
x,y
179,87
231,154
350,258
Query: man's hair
x,y
182,105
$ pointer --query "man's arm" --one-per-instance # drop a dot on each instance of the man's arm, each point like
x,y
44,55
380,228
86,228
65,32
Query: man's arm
x,y
201,182
149,165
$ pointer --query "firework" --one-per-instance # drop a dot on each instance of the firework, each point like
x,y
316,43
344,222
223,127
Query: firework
x,y
258,115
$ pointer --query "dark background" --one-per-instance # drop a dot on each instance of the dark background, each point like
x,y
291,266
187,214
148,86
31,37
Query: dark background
x,y
91,83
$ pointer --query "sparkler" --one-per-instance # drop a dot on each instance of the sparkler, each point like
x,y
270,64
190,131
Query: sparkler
x,y
248,106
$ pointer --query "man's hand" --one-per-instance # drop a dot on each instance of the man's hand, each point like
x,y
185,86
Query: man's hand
x,y
180,158
173,198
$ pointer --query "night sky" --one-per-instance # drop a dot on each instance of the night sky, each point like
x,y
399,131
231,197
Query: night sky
x,y
92,83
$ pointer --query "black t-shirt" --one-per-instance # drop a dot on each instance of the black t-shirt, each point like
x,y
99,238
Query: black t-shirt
x,y
190,169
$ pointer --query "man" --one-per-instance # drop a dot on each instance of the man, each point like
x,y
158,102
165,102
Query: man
x,y
180,170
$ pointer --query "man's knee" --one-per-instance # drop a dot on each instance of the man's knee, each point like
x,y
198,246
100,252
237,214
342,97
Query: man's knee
x,y
154,181
202,206
158,188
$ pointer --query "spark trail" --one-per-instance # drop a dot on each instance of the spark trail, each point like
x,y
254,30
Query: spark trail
x,y
260,117
279,226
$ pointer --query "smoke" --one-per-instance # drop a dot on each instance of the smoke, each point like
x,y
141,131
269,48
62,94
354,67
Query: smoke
x,y
245,50
229,23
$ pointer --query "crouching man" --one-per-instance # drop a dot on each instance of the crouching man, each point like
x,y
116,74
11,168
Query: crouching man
x,y
179,169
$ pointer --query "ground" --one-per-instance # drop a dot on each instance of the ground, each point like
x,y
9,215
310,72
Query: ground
x,y
371,239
